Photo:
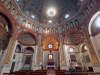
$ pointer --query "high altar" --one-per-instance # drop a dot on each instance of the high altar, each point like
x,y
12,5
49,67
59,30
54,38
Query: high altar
x,y
50,62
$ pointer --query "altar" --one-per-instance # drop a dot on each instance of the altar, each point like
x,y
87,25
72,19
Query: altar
x,y
50,63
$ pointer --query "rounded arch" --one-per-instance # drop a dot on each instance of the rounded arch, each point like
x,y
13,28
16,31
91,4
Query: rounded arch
x,y
73,38
50,35
82,47
9,20
18,48
92,22
30,34
50,42
7,30
28,50
75,49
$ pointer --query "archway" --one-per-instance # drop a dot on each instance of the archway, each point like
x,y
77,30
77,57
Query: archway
x,y
94,31
50,45
5,31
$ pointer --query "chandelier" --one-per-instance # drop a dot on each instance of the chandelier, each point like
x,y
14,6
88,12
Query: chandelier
x,y
51,12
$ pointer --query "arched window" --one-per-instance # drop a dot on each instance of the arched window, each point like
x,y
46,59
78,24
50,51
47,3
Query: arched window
x,y
24,23
87,10
83,15
37,29
71,24
76,22
52,30
56,30
9,6
91,4
18,48
67,27
33,27
13,11
29,25
63,29
16,16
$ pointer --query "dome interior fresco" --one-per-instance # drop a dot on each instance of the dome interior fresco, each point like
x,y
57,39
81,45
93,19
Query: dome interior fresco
x,y
38,9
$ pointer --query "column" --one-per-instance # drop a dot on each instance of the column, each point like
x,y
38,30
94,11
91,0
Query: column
x,y
39,56
63,65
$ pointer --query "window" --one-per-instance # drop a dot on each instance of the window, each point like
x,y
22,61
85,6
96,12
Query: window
x,y
49,46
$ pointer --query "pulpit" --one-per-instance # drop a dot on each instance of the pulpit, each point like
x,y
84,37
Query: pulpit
x,y
50,63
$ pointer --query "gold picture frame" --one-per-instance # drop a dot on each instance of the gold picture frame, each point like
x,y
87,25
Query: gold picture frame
x,y
50,57
30,59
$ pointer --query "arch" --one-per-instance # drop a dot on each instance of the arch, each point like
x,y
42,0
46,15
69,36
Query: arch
x,y
71,24
92,22
83,15
50,35
50,40
6,29
63,28
30,34
87,10
75,49
18,48
91,4
52,30
56,30
37,28
9,6
29,25
74,37
76,22
28,50
24,23
33,27
13,11
82,47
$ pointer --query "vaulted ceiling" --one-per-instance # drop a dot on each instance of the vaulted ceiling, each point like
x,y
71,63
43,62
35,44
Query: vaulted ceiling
x,y
39,8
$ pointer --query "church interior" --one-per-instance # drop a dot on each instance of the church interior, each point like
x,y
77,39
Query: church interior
x,y
49,37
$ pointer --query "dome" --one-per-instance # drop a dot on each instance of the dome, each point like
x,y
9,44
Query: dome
x,y
37,10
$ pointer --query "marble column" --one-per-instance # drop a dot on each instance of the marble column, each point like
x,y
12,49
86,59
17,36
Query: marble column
x,y
39,55
63,65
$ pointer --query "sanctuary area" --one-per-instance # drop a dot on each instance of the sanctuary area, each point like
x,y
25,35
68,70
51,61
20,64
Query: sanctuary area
x,y
49,37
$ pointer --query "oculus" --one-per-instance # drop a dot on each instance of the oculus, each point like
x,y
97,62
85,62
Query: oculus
x,y
50,46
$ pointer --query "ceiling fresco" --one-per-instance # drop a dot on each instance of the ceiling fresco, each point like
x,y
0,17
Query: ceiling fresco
x,y
39,8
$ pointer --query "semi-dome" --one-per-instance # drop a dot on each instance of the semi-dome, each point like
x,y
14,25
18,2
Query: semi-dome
x,y
37,10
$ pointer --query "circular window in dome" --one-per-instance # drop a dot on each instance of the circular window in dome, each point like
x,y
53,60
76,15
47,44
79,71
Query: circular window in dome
x,y
71,50
50,46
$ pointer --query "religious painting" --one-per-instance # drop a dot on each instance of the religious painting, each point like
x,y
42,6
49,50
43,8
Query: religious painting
x,y
86,58
28,51
28,60
73,38
50,56
73,58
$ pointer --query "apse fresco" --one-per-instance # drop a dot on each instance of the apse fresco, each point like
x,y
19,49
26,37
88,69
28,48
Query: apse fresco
x,y
73,38
28,51
27,38
38,8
